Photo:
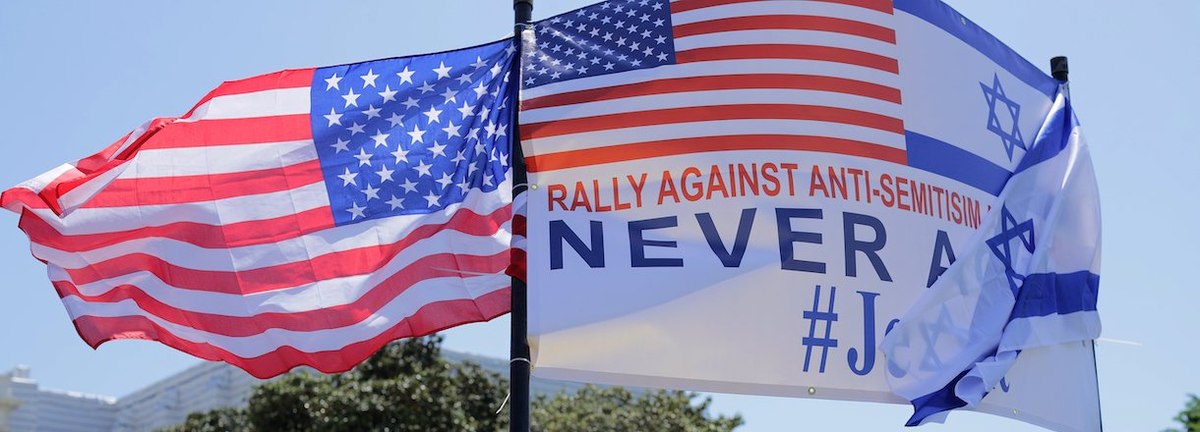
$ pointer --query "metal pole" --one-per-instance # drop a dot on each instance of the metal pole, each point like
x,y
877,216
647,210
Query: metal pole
x,y
519,364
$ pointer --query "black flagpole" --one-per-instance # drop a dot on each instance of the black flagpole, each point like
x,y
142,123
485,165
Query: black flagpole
x,y
519,364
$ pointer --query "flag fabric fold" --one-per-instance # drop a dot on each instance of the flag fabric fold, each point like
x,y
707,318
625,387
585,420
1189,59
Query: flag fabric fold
x,y
304,217
1030,280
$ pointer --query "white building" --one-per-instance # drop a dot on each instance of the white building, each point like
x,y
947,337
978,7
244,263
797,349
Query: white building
x,y
203,387
46,410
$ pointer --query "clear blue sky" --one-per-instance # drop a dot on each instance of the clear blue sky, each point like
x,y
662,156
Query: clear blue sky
x,y
77,75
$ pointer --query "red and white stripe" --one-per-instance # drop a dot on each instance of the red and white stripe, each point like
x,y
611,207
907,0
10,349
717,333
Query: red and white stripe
x,y
810,75
213,233
518,267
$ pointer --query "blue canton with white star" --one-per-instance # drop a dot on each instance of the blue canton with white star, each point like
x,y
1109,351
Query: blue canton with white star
x,y
605,38
1001,107
412,135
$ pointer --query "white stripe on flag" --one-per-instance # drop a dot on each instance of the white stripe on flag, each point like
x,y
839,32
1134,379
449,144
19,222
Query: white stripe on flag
x,y
80,195
217,212
787,37
713,98
760,8
590,140
223,159
717,69
36,184
266,103
404,305
301,248
310,296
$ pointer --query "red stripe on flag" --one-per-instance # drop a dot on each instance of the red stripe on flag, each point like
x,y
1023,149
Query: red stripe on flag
x,y
792,52
233,131
104,157
788,22
17,196
200,234
97,166
278,80
519,225
687,5
719,82
680,146
429,319
518,268
349,262
199,188
428,267
712,113
22,196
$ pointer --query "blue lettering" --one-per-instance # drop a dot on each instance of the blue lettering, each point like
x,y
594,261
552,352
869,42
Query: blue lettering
x,y
638,244
789,238
941,247
733,257
868,337
560,232
870,249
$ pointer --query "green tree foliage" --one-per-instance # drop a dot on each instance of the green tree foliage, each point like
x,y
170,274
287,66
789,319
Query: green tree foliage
x,y
1189,418
220,420
408,386
616,409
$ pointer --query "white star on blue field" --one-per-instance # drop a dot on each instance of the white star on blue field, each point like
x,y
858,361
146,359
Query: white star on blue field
x,y
412,135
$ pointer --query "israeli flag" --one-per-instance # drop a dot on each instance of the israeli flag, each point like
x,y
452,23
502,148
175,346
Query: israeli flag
x,y
1029,280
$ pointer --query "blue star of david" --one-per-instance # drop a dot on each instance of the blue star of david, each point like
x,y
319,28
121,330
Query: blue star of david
x,y
1001,244
996,99
931,332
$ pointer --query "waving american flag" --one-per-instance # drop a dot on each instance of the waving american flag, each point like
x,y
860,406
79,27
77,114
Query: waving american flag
x,y
304,217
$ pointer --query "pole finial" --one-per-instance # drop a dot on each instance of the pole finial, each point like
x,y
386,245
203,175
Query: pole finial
x,y
1059,69
523,11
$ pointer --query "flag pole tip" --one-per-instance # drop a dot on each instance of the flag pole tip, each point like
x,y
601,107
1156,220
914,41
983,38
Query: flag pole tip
x,y
523,11
1059,68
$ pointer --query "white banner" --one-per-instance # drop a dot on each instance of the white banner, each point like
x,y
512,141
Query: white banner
x,y
752,208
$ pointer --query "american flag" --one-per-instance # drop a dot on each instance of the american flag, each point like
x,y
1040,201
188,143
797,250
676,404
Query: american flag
x,y
305,217
627,80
